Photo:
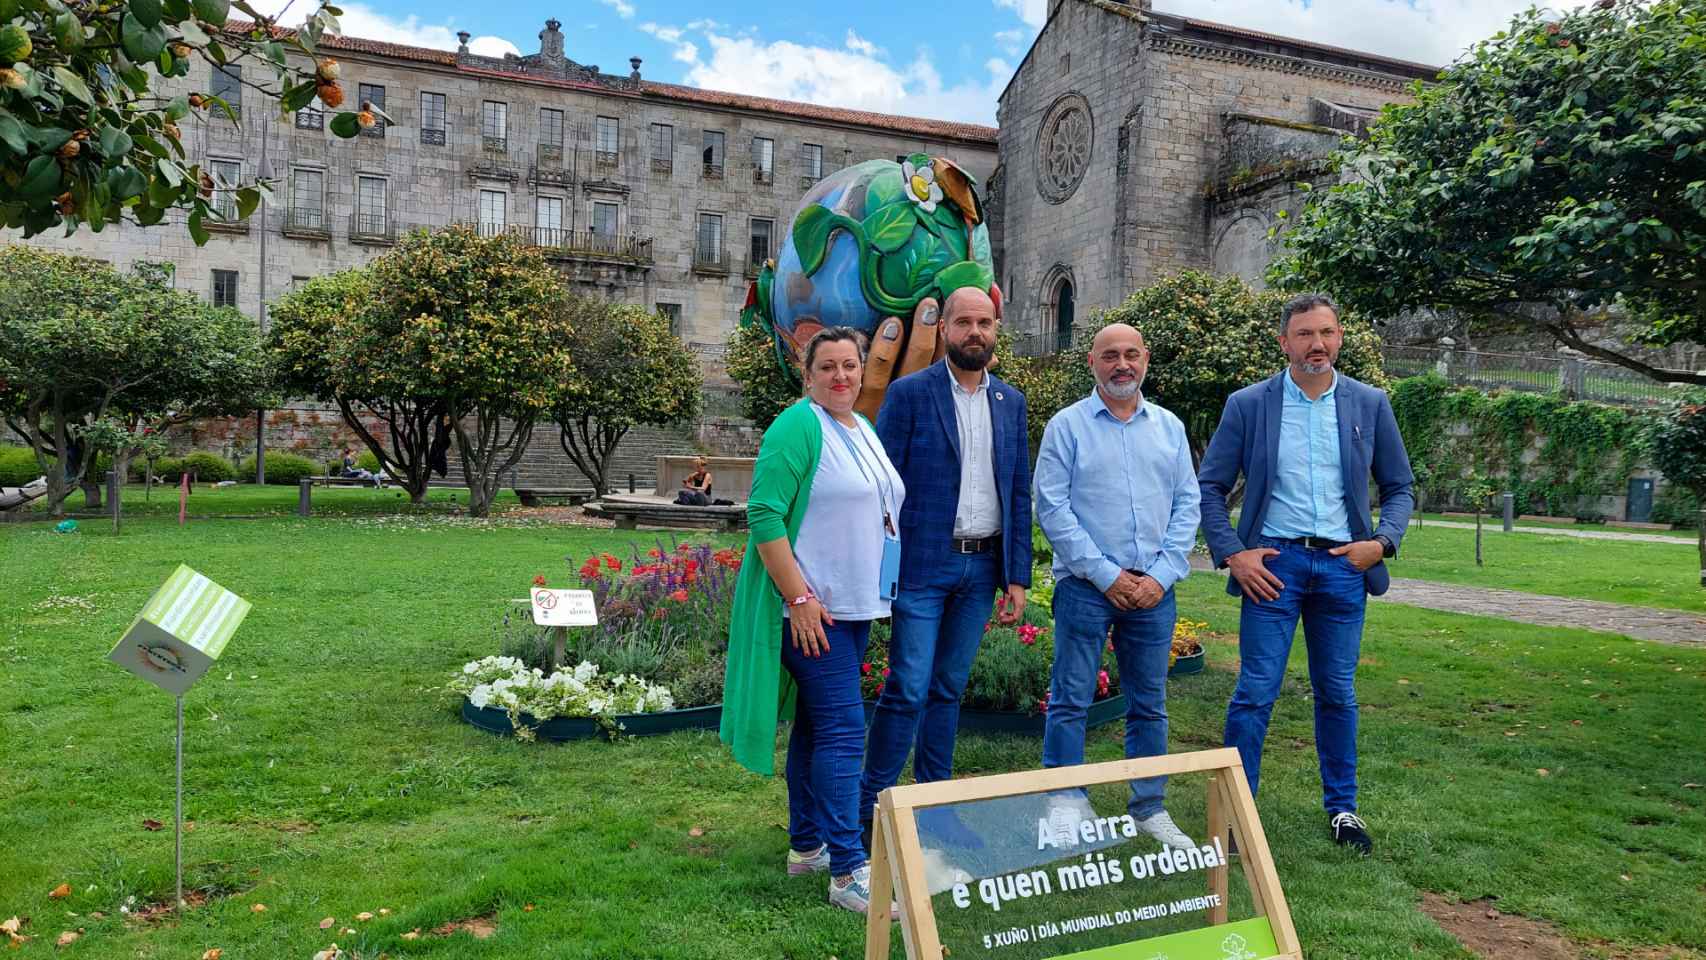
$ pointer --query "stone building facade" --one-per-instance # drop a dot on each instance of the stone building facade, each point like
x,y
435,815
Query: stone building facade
x,y
1135,143
643,192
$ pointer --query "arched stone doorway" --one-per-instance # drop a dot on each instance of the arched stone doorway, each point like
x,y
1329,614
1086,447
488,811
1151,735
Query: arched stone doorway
x,y
1060,296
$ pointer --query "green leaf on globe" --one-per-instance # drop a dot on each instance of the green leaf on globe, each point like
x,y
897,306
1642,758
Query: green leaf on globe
x,y
811,237
884,189
980,244
890,227
966,273
345,125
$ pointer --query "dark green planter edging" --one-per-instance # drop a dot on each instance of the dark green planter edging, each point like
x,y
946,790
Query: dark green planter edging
x,y
1186,665
557,729
1101,713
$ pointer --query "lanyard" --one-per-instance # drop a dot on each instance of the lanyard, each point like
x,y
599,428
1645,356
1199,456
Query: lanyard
x,y
877,475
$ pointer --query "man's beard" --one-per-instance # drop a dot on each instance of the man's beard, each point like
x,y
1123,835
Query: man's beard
x,y
1121,391
970,358
1315,369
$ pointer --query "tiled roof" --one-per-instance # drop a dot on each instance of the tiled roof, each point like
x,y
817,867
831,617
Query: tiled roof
x,y
1405,66
916,126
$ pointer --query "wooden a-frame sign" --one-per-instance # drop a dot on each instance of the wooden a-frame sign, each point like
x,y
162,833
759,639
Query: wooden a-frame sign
x,y
897,858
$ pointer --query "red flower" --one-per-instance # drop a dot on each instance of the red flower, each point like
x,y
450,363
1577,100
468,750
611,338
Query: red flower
x,y
1042,705
692,564
683,548
539,580
679,596
1028,634
865,669
885,673
878,692
655,553
612,562
1102,684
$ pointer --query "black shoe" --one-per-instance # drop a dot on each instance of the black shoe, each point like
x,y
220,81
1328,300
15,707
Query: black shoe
x,y
865,836
1349,831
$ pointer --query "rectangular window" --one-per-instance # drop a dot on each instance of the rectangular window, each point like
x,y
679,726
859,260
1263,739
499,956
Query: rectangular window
x,y
759,247
225,288
494,125
370,206
432,118
297,282
604,219
550,136
672,311
711,154
548,221
492,210
225,175
308,199
375,94
228,86
811,155
763,160
709,250
663,147
609,140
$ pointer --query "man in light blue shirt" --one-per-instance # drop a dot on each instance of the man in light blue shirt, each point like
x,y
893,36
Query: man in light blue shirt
x,y
1116,495
1308,499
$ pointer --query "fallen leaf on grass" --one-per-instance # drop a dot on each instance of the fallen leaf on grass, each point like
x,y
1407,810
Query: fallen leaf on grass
x,y
478,927
385,911
1402,682
60,892
349,930
1691,786
364,916
67,938
259,908
1543,772
213,954
414,934
152,824
326,923
527,909
13,937
696,832
330,953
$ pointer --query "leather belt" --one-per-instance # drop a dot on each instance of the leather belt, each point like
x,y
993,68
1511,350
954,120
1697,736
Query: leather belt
x,y
975,544
1316,543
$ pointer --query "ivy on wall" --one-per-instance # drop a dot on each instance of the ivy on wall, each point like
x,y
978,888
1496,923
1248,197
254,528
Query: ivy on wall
x,y
1553,453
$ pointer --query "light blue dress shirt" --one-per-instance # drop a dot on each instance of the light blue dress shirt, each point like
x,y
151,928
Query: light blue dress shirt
x,y
1113,495
1308,498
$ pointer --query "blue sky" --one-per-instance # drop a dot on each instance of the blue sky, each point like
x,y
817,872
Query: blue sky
x,y
947,58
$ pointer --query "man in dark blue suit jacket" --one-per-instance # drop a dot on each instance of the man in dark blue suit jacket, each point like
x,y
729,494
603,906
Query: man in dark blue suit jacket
x,y
956,434
1306,441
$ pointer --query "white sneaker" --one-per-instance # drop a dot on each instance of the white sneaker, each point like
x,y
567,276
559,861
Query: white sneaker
x,y
808,862
853,892
1160,825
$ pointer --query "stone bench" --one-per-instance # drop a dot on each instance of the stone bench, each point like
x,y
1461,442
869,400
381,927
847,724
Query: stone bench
x,y
544,496
631,510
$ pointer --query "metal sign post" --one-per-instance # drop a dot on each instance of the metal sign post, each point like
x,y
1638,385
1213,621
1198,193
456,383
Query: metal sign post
x,y
178,808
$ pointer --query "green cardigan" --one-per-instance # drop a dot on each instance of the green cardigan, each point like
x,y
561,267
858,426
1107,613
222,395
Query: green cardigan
x,y
756,690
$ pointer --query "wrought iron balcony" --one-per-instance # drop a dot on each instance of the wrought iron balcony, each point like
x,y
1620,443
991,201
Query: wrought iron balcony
x,y
562,244
550,154
306,222
713,171
763,176
606,158
494,144
310,120
662,165
754,264
377,130
372,228
807,181
711,262
433,136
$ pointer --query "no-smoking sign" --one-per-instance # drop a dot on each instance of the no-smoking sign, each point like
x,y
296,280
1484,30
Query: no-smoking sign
x,y
564,608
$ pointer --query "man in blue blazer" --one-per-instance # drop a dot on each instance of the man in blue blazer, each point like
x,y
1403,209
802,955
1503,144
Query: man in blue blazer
x,y
956,434
1306,441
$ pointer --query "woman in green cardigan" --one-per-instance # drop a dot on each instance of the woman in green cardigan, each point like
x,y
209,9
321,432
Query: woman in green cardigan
x,y
823,515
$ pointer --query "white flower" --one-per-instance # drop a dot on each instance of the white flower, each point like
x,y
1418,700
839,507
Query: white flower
x,y
920,184
480,696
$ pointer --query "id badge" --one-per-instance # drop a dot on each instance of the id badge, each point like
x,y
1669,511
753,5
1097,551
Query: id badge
x,y
888,582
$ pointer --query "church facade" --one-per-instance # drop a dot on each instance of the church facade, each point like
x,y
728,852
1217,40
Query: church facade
x,y
1135,143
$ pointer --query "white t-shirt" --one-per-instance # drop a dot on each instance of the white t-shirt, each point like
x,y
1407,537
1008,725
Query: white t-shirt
x,y
840,546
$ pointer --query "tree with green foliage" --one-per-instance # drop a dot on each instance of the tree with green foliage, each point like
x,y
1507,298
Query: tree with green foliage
x,y
89,115
329,346
1207,336
481,323
1677,441
87,350
1556,170
629,370
767,387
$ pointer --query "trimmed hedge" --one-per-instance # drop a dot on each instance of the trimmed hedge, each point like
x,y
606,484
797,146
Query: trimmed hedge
x,y
283,469
18,466
206,467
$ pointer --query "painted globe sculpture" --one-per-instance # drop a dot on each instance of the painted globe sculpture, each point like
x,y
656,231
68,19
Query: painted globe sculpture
x,y
877,240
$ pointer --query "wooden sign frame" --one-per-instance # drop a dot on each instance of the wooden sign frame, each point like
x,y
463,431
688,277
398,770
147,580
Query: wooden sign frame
x,y
897,858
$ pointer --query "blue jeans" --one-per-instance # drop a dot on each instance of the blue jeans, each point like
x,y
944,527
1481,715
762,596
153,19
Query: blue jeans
x,y
1329,594
938,625
827,743
1142,640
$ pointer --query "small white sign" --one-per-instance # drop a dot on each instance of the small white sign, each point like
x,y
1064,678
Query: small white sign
x,y
181,632
564,608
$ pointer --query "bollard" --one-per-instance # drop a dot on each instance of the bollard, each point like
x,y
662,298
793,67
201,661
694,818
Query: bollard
x,y
1510,510
630,483
304,496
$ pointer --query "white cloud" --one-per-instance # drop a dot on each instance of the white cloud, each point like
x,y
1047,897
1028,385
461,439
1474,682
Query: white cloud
x,y
1013,42
857,75
361,20
1033,12
623,8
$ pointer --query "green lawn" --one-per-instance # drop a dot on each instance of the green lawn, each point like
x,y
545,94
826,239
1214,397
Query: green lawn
x,y
1495,521
1618,571
248,500
327,777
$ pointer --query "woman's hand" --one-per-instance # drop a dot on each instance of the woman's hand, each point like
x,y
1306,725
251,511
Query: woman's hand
x,y
808,621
